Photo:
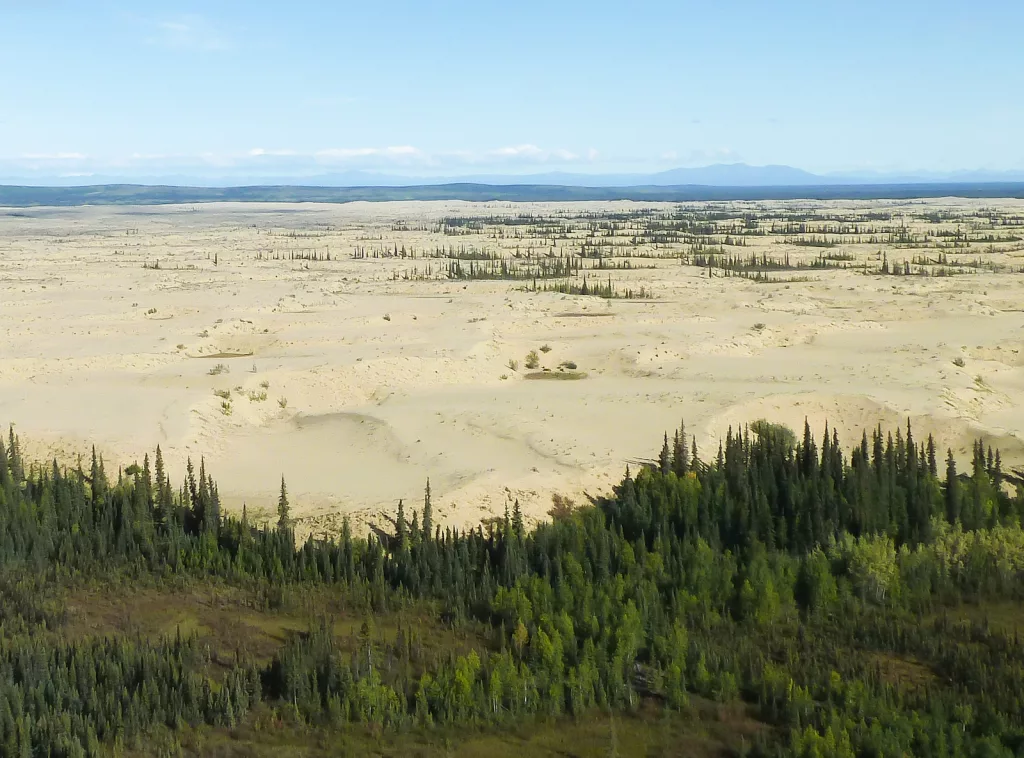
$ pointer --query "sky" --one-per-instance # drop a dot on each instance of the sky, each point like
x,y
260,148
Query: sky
x,y
465,88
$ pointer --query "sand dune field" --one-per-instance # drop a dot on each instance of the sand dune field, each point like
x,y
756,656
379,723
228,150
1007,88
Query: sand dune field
x,y
360,377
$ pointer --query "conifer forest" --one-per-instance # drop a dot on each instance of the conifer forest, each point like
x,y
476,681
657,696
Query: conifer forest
x,y
785,594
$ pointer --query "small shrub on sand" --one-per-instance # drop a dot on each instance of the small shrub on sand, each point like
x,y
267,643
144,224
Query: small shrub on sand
x,y
219,369
265,384
550,375
532,360
571,365
283,402
513,364
223,394
959,362
545,348
225,407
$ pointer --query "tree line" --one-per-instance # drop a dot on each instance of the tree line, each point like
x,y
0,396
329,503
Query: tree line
x,y
789,575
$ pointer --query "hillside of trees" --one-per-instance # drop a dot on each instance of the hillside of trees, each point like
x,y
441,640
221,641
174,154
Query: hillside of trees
x,y
816,600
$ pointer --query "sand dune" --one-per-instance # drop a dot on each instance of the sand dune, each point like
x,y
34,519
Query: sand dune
x,y
357,384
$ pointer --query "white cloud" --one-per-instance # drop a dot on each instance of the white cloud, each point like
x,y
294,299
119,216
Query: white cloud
x,y
362,152
363,156
289,162
54,156
529,153
518,151
256,152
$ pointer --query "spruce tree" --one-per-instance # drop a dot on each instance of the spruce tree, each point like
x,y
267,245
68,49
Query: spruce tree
x,y
94,479
14,457
147,481
680,459
428,511
283,513
401,528
517,520
952,490
4,470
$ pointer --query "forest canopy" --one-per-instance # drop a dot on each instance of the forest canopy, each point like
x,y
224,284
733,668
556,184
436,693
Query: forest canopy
x,y
839,601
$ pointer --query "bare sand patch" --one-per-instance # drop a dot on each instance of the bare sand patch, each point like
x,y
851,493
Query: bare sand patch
x,y
360,376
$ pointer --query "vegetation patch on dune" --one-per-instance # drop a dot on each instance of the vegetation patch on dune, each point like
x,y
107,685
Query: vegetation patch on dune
x,y
556,375
247,354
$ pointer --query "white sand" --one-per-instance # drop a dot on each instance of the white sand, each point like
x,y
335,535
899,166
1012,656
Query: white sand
x,y
375,406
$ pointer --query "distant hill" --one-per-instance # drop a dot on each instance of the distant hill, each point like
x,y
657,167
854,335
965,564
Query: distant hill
x,y
729,175
738,175
134,194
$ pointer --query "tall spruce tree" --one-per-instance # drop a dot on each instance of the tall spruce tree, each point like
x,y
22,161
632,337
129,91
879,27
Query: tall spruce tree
x,y
5,473
680,458
401,527
428,513
665,458
284,520
952,489
517,520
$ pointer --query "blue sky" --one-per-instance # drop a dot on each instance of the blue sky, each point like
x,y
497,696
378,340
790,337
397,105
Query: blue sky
x,y
458,88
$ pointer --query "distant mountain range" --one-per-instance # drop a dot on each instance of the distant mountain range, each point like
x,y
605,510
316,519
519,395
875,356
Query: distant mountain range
x,y
718,175
15,197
